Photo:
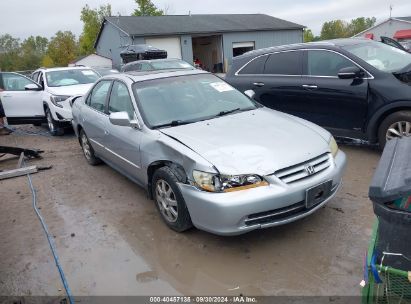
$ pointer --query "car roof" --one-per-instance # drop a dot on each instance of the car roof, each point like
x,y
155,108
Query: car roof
x,y
156,74
331,44
63,68
154,60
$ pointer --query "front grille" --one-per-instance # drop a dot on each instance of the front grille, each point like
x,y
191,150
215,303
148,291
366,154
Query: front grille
x,y
284,213
298,172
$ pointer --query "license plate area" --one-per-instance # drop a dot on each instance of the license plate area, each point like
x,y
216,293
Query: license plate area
x,y
317,194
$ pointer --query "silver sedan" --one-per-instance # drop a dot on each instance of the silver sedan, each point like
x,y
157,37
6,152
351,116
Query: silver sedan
x,y
208,154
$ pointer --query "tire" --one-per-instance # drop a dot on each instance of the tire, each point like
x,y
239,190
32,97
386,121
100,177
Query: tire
x,y
174,215
54,129
392,125
88,151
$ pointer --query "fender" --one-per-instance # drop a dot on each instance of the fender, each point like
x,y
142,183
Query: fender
x,y
380,114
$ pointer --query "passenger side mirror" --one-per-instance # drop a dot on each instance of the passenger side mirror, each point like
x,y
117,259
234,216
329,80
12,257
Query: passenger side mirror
x,y
250,93
350,73
33,87
123,120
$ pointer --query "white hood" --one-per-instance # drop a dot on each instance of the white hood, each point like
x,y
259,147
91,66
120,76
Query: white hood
x,y
79,89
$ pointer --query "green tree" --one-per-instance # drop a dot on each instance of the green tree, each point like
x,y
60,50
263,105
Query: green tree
x,y
62,48
360,24
9,52
92,20
32,51
147,8
334,29
308,35
47,62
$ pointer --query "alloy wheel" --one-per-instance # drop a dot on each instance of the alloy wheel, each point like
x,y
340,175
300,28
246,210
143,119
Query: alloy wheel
x,y
399,129
166,200
86,146
50,122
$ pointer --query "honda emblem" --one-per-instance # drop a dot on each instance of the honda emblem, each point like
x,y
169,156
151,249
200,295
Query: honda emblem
x,y
309,169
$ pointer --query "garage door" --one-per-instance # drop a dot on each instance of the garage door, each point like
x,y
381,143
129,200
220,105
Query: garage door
x,y
171,45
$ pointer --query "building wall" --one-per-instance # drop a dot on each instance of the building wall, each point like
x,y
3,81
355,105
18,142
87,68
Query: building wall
x,y
112,42
262,39
387,29
187,48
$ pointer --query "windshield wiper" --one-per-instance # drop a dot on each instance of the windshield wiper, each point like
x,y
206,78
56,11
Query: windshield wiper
x,y
174,123
222,113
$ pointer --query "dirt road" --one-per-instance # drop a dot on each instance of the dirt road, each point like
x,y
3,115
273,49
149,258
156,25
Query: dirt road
x,y
111,241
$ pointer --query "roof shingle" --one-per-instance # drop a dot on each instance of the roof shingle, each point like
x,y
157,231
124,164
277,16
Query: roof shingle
x,y
188,24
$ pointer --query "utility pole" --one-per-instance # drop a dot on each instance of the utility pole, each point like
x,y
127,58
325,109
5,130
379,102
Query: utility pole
x,y
391,6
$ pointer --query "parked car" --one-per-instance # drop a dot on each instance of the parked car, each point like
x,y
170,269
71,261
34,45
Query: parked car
x,y
394,43
56,85
106,71
21,98
355,88
141,52
209,155
157,64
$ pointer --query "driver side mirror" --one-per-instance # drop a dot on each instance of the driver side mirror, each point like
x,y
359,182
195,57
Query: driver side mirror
x,y
350,73
250,93
123,120
33,87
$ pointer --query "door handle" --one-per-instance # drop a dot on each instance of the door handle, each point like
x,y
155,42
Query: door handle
x,y
310,86
106,132
258,84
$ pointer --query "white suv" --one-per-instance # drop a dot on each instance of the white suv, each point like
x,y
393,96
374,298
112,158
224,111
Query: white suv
x,y
58,84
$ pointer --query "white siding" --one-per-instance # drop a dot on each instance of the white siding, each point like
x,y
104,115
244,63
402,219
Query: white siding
x,y
171,44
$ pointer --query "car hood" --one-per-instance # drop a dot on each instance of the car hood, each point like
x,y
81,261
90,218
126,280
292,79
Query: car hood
x,y
260,141
79,89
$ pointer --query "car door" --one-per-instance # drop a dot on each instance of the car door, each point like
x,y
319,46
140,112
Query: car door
x,y
17,101
95,116
123,143
332,102
280,86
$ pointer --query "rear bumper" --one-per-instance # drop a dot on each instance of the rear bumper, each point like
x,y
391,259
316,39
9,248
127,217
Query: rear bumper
x,y
277,204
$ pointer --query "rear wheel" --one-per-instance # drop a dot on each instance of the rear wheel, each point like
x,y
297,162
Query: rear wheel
x,y
88,151
55,130
169,200
397,124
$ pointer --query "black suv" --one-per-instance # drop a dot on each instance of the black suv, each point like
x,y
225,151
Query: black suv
x,y
356,88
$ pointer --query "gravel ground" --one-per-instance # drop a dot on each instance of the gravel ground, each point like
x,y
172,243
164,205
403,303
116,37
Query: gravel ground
x,y
111,241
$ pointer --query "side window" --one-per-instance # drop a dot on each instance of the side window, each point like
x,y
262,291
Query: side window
x,y
255,67
324,63
15,82
97,98
120,99
35,76
146,67
284,63
133,67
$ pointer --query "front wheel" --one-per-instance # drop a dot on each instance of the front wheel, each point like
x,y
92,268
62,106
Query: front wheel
x,y
55,130
397,124
169,200
88,151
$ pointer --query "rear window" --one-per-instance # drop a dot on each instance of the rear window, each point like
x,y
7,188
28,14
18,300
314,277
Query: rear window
x,y
284,63
255,66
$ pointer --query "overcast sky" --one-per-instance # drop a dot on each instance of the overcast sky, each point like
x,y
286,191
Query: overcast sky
x,y
22,18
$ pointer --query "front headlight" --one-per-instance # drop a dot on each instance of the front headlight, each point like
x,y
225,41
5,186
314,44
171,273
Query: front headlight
x,y
213,182
56,99
333,146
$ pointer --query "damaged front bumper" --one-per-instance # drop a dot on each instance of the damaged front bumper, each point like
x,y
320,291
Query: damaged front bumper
x,y
242,211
